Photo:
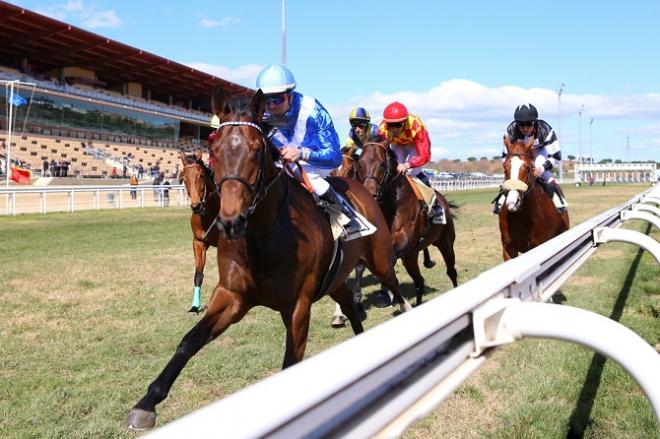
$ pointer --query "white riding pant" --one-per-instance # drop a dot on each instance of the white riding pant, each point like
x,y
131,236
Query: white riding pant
x,y
316,176
404,153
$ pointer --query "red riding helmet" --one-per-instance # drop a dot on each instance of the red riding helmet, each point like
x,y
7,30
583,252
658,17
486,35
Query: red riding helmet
x,y
395,112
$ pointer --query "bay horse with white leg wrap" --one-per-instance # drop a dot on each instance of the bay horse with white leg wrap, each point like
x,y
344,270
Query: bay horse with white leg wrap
x,y
204,203
275,246
412,230
528,217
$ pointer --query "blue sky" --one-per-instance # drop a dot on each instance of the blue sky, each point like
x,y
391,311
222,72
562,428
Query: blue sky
x,y
462,67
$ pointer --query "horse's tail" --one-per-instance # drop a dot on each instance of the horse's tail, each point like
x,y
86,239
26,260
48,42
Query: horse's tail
x,y
453,208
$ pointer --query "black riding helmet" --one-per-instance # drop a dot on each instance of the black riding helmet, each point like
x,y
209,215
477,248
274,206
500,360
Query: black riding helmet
x,y
525,113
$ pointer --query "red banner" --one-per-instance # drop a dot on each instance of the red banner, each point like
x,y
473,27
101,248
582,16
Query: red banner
x,y
20,175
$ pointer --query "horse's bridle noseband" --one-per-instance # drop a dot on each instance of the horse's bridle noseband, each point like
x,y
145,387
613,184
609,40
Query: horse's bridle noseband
x,y
529,182
260,188
386,180
200,208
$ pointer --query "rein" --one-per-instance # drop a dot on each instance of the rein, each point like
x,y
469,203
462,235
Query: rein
x,y
387,179
260,188
200,208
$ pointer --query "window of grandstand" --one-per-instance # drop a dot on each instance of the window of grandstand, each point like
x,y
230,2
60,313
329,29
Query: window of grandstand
x,y
57,111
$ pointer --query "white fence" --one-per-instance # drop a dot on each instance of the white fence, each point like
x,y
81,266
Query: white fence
x,y
382,381
47,199
452,185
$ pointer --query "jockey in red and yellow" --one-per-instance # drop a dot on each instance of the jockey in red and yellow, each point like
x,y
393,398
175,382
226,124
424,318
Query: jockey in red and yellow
x,y
408,139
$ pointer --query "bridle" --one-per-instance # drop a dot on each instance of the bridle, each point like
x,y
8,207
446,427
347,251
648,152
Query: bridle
x,y
524,187
386,180
260,188
200,208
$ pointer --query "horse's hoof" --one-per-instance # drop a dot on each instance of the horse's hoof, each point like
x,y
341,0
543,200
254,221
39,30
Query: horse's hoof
x,y
429,264
383,300
362,314
194,310
338,321
139,420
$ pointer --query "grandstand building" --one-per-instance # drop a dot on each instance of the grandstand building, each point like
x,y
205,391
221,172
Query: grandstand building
x,y
95,103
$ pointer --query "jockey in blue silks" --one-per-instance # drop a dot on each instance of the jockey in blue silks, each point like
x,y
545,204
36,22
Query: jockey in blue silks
x,y
309,136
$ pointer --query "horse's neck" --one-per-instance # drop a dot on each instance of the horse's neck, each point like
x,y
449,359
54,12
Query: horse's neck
x,y
269,209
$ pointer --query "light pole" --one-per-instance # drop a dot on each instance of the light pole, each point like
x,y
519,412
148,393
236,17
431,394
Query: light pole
x,y
561,162
580,134
591,140
283,36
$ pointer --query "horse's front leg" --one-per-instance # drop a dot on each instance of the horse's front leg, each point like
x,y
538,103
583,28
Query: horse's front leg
x,y
508,251
199,249
297,329
225,309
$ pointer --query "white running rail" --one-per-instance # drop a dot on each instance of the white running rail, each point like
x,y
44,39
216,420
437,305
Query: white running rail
x,y
49,199
377,384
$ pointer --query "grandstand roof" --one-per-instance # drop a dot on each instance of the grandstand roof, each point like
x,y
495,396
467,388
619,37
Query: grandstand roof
x,y
51,44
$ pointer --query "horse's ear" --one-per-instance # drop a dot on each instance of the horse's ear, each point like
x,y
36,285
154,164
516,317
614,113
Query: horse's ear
x,y
257,104
219,102
198,155
182,156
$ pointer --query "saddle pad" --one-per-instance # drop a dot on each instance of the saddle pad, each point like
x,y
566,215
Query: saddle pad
x,y
422,191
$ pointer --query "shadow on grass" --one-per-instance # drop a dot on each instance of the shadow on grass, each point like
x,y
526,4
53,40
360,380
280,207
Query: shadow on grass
x,y
581,416
407,290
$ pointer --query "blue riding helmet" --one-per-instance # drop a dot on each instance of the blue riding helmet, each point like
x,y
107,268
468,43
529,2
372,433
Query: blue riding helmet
x,y
276,79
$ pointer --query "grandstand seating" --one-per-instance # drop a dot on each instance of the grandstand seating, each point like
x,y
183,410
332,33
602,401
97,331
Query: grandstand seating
x,y
95,158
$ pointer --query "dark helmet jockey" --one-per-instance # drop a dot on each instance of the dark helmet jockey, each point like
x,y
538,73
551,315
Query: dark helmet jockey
x,y
545,150
362,130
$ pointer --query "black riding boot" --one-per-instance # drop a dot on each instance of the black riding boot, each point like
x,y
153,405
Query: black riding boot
x,y
555,193
333,198
435,211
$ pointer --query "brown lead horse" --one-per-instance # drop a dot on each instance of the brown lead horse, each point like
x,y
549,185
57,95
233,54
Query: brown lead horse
x,y
411,229
528,217
275,247
204,203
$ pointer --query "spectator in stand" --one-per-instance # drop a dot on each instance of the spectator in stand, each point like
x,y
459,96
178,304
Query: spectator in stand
x,y
134,183
65,168
45,168
54,169
113,174
140,172
166,193
158,194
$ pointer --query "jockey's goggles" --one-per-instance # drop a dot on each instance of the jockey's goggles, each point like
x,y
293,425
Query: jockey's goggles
x,y
358,124
274,99
526,124
394,124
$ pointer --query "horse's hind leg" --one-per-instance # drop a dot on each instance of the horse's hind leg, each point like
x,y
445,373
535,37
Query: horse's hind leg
x,y
446,247
410,261
428,262
357,290
344,297
226,309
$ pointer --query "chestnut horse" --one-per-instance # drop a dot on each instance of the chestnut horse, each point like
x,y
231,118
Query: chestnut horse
x,y
349,168
275,247
528,217
411,229
204,203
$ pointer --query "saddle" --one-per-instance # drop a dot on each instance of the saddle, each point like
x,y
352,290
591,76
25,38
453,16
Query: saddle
x,y
429,197
336,212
